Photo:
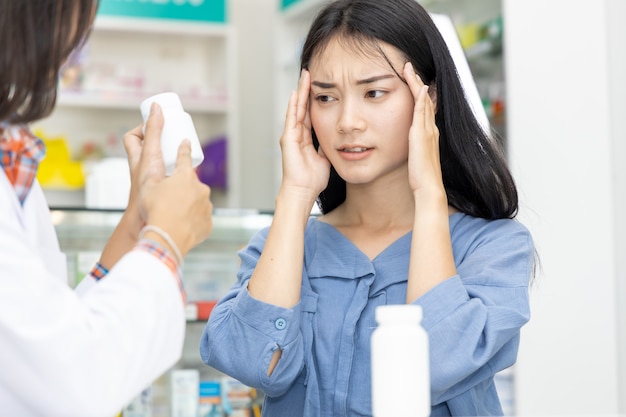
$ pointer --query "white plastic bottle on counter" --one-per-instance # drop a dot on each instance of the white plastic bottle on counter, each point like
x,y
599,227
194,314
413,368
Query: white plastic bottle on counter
x,y
177,126
400,363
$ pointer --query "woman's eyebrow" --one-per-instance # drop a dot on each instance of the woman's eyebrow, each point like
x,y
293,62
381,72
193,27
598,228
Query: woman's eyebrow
x,y
374,79
321,84
370,80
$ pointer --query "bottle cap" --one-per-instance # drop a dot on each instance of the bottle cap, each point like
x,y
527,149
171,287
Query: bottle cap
x,y
177,125
167,101
399,313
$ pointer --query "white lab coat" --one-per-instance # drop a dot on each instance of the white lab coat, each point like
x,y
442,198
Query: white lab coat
x,y
77,353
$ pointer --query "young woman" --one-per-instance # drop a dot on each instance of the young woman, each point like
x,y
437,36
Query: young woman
x,y
418,207
86,352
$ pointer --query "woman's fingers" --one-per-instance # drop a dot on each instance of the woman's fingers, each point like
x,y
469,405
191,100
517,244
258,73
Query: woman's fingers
x,y
290,116
412,79
304,86
424,107
429,114
420,93
297,109
424,165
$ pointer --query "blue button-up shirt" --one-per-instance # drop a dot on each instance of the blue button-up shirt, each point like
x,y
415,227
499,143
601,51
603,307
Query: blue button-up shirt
x,y
473,320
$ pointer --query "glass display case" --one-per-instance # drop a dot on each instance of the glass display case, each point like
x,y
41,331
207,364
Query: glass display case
x,y
209,270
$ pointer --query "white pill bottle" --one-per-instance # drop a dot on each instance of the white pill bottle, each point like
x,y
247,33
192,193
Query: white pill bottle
x,y
400,363
177,125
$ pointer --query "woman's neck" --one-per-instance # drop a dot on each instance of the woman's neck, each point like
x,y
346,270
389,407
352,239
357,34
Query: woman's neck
x,y
375,205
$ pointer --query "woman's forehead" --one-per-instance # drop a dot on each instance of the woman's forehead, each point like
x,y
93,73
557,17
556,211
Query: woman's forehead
x,y
372,52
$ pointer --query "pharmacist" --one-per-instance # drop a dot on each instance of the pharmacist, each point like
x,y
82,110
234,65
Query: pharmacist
x,y
88,352
84,352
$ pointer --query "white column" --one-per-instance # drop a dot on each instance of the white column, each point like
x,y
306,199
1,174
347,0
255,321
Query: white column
x,y
566,96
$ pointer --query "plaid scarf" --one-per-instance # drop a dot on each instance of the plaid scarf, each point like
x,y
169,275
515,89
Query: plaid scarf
x,y
20,155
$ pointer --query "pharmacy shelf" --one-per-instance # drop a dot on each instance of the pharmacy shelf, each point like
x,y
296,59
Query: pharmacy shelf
x,y
126,60
128,101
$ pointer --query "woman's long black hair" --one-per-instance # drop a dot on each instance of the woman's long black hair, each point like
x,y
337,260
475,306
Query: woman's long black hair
x,y
475,173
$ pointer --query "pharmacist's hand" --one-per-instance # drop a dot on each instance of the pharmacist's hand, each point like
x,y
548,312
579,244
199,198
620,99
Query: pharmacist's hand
x,y
145,161
424,164
179,204
305,170
144,153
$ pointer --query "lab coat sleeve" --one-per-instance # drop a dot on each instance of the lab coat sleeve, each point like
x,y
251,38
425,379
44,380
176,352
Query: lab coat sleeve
x,y
65,355
242,333
474,318
85,285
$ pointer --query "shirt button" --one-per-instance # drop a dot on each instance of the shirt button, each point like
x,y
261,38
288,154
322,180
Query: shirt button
x,y
280,323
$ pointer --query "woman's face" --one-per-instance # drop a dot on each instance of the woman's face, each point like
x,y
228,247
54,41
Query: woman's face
x,y
361,111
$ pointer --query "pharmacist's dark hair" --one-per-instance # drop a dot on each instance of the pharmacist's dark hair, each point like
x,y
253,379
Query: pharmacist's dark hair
x,y
475,173
36,38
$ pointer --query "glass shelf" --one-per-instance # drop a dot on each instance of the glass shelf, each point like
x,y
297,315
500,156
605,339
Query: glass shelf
x,y
209,269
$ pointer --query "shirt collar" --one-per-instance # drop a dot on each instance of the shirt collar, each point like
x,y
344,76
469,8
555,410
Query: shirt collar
x,y
20,154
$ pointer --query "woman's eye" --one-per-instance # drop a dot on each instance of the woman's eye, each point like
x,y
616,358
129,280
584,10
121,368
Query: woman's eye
x,y
324,99
374,94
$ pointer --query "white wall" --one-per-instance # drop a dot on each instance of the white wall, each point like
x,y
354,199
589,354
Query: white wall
x,y
566,98
616,13
254,21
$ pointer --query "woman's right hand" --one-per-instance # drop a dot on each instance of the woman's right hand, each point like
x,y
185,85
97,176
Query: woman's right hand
x,y
277,277
305,170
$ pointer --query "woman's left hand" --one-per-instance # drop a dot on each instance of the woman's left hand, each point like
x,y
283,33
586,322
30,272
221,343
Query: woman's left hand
x,y
432,259
424,163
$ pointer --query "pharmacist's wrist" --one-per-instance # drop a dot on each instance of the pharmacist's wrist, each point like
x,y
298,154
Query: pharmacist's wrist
x,y
161,237
132,222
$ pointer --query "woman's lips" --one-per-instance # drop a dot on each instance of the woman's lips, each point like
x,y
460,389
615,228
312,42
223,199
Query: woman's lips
x,y
355,153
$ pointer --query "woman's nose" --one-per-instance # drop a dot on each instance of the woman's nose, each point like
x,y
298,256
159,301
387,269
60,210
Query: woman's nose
x,y
350,117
